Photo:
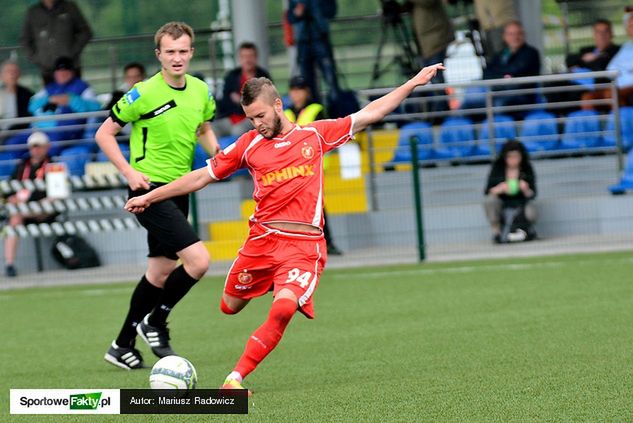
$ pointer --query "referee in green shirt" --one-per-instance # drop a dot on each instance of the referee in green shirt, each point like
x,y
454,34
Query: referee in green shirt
x,y
169,113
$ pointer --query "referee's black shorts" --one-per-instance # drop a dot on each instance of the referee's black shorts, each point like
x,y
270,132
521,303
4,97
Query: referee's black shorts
x,y
168,230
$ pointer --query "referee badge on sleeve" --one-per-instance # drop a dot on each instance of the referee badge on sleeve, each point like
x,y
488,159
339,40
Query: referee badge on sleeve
x,y
132,95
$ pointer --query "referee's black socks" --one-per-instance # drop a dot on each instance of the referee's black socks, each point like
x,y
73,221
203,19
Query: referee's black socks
x,y
177,285
144,299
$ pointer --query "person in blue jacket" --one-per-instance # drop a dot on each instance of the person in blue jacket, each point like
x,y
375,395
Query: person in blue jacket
x,y
66,94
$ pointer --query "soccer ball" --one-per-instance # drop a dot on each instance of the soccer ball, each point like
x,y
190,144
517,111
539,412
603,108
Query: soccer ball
x,y
173,372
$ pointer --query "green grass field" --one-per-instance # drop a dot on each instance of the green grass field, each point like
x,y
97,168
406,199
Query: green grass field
x,y
543,339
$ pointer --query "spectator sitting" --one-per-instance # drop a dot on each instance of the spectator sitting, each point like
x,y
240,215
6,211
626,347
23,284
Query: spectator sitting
x,y
621,62
231,118
588,59
66,94
14,101
598,56
51,29
302,112
33,167
132,73
517,59
493,15
511,184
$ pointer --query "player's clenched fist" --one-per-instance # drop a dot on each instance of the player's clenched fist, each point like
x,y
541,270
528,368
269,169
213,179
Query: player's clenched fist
x,y
426,74
137,204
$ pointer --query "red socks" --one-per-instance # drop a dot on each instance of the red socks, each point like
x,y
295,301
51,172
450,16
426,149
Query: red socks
x,y
267,336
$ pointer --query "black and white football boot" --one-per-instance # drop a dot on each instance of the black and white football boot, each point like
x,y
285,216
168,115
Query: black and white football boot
x,y
126,358
157,337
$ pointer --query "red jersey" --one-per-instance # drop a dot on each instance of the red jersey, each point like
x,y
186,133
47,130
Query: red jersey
x,y
287,170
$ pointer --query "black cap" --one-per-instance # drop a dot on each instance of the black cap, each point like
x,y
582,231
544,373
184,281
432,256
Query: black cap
x,y
298,81
64,63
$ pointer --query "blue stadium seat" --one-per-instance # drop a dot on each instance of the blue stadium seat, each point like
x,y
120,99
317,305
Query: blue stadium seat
x,y
588,83
504,129
8,163
17,145
474,98
626,128
125,149
626,183
458,136
76,158
539,131
582,130
200,158
423,133
227,140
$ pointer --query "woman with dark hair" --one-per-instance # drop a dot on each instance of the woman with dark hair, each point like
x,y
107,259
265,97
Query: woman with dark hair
x,y
511,185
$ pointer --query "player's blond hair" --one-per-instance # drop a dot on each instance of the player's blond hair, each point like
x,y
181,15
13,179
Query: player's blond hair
x,y
255,88
175,30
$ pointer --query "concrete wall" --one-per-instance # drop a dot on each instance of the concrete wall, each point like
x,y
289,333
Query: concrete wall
x,y
572,201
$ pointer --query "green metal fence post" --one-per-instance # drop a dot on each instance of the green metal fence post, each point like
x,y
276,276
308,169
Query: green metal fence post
x,y
193,212
417,196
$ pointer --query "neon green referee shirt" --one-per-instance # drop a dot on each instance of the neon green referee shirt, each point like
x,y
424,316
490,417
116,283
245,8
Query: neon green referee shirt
x,y
164,122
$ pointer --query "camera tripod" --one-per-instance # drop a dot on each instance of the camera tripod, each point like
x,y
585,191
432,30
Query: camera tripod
x,y
406,59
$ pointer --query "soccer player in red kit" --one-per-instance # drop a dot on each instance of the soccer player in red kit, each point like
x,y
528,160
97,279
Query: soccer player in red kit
x,y
285,251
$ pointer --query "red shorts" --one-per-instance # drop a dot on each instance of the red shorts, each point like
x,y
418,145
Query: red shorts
x,y
271,260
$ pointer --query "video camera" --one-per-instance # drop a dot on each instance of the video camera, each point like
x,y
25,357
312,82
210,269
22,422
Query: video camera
x,y
393,25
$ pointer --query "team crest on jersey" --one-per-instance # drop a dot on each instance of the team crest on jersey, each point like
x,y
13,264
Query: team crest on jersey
x,y
245,278
307,151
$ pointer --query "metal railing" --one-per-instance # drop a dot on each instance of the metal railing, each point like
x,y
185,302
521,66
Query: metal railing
x,y
425,96
380,227
103,58
422,99
14,140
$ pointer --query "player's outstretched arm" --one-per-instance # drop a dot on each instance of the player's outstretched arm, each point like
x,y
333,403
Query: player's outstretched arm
x,y
379,108
192,181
